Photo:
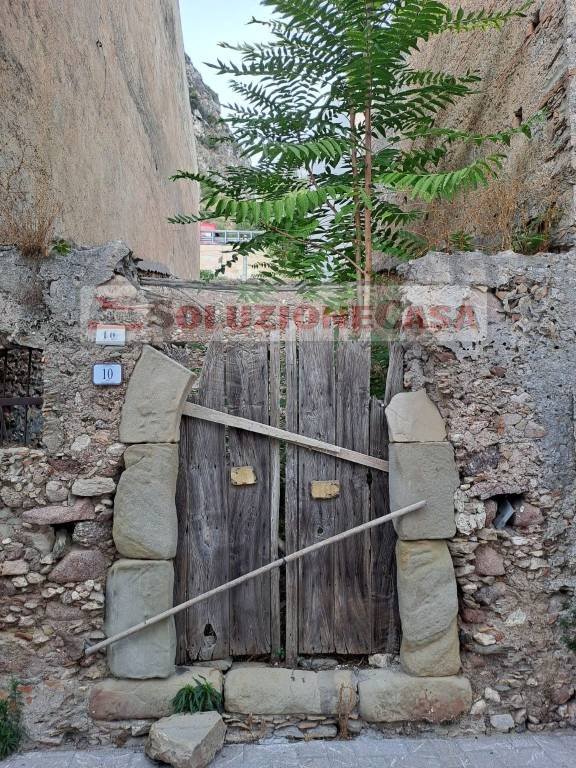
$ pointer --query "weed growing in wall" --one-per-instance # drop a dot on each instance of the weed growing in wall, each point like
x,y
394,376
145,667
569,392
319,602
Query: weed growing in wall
x,y
11,730
201,697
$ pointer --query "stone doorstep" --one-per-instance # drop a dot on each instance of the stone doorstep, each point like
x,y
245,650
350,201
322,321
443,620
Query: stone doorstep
x,y
115,699
384,696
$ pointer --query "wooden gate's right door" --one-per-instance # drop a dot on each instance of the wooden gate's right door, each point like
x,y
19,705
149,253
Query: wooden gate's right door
x,y
341,600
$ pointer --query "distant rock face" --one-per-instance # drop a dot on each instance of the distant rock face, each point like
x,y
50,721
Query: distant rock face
x,y
206,113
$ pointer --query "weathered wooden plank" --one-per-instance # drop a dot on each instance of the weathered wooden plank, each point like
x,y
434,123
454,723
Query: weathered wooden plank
x,y
352,601
275,419
291,498
386,632
249,506
339,452
206,514
395,376
317,519
182,561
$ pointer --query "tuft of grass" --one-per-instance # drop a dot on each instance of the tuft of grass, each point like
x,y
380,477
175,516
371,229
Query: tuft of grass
x,y
11,730
201,697
30,208
379,369
461,241
568,622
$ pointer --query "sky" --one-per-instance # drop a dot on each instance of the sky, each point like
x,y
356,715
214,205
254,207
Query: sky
x,y
206,23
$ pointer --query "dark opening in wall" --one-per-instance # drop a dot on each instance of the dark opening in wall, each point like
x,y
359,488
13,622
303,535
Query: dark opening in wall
x,y
518,117
506,507
535,22
21,390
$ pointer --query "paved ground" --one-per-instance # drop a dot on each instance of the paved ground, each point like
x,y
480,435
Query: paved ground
x,y
555,751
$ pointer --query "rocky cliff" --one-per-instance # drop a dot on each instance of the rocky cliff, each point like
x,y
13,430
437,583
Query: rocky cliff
x,y
81,92
214,143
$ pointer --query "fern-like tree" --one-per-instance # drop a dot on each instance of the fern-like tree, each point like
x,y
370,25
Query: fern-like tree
x,y
340,126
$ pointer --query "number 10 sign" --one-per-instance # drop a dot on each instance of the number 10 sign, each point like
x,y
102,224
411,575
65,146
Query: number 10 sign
x,y
107,374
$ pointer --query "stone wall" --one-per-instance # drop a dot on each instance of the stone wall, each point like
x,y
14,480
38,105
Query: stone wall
x,y
526,67
508,405
96,109
508,402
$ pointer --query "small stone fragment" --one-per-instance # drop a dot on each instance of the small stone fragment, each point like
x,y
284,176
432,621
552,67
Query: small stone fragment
x,y
187,741
14,568
502,723
562,694
483,638
479,708
516,619
491,695
489,562
80,565
527,515
93,486
59,515
56,491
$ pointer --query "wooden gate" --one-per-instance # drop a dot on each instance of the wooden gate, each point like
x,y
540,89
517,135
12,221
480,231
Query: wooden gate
x,y
342,600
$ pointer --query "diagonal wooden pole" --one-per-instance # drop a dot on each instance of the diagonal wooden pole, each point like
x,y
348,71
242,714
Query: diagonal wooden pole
x,y
238,422
253,575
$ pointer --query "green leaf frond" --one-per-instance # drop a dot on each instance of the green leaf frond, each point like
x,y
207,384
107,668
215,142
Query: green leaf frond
x,y
433,186
460,21
303,100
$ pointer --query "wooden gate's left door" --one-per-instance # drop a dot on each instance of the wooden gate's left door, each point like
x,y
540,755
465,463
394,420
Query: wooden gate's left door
x,y
225,528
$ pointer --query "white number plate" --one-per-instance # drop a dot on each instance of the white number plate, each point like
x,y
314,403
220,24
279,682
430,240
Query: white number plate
x,y
107,374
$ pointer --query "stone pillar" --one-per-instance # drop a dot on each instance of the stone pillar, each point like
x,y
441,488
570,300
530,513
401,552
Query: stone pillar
x,y
145,523
422,468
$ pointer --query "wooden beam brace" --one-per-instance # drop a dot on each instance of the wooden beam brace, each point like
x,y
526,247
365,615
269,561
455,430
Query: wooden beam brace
x,y
237,422
252,575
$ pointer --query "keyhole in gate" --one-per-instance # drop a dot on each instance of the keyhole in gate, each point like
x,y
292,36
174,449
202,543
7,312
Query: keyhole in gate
x,y
210,635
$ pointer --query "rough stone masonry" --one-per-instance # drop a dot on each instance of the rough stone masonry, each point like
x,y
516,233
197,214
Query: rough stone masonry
x,y
508,405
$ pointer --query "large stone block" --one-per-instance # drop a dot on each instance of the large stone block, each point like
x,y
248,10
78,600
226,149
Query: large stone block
x,y
428,601
145,699
261,690
156,394
424,472
393,697
145,520
439,657
137,590
187,741
413,418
